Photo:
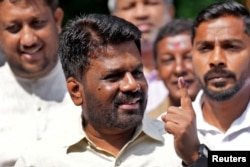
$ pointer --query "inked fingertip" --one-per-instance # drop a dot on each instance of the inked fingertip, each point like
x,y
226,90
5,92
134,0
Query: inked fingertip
x,y
182,81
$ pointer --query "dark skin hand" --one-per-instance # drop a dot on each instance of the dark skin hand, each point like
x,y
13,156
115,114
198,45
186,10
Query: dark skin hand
x,y
181,122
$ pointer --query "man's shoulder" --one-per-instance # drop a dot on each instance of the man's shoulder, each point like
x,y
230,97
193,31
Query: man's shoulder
x,y
41,153
8,83
6,74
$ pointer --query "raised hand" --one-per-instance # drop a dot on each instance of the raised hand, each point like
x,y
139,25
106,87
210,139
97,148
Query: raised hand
x,y
181,122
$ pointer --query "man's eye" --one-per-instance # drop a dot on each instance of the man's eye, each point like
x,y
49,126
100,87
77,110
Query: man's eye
x,y
129,6
233,47
113,77
188,57
38,23
204,49
14,28
138,74
167,60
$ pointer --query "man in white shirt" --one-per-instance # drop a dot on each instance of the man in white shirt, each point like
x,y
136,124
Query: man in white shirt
x,y
33,96
221,59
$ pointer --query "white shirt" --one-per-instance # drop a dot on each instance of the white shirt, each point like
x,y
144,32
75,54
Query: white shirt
x,y
157,91
150,146
30,110
237,137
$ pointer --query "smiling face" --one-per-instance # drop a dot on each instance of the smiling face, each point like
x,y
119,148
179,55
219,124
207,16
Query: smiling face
x,y
29,36
114,90
174,59
221,57
147,15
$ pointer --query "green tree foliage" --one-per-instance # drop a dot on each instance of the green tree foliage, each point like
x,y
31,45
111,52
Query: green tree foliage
x,y
190,8
184,8
74,8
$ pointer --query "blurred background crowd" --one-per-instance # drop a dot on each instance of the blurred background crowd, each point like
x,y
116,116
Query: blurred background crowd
x,y
184,8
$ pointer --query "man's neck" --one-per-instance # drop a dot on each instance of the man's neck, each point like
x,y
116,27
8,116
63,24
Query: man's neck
x,y
147,57
223,114
112,140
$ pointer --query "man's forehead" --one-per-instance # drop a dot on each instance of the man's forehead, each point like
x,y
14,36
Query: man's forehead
x,y
179,41
221,29
120,47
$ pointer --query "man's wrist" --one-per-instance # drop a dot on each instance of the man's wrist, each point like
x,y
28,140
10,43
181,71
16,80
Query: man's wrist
x,y
202,160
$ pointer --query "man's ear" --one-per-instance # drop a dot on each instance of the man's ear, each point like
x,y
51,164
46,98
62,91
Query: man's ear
x,y
171,10
58,16
75,90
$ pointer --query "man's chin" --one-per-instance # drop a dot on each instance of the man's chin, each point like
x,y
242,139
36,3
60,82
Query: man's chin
x,y
146,46
148,38
222,95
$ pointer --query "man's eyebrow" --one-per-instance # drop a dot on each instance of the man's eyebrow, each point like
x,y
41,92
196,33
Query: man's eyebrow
x,y
233,41
113,70
203,42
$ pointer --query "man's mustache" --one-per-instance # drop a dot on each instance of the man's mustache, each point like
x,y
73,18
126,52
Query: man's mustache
x,y
218,72
128,97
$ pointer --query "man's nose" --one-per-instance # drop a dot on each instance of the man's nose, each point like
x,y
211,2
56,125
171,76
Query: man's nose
x,y
217,57
28,37
129,84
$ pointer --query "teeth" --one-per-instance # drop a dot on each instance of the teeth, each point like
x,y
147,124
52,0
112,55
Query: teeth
x,y
134,101
32,51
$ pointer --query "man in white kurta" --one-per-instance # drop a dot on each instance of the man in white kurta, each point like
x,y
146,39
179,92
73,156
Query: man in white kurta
x,y
34,103
30,110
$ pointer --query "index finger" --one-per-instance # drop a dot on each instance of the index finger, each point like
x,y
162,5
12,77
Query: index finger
x,y
186,102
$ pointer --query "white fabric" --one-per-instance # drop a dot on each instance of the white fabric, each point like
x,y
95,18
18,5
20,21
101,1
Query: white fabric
x,y
237,136
151,146
157,91
31,110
